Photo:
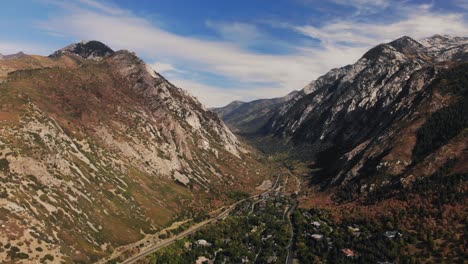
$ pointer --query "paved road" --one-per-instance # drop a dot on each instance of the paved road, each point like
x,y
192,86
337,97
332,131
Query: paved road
x,y
191,230
290,256
183,234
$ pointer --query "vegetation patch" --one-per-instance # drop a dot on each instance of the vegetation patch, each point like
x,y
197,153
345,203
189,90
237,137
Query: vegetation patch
x,y
4,165
447,122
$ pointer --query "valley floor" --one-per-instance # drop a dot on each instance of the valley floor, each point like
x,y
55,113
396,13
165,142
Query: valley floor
x,y
270,229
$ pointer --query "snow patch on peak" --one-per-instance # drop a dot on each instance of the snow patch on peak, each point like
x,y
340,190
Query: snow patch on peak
x,y
446,47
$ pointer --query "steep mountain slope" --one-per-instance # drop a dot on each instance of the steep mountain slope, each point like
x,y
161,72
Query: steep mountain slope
x,y
97,150
250,117
361,122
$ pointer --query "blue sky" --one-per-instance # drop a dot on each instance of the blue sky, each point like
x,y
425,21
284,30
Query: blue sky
x,y
230,50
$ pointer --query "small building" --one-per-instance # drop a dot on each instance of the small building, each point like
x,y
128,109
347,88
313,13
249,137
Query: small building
x,y
317,236
202,242
316,224
391,234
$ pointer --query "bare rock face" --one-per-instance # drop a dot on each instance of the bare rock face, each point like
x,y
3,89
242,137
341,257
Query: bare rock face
x,y
98,150
374,82
94,50
446,48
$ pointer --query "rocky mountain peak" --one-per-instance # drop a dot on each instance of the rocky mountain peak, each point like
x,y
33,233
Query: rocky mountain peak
x,y
405,42
407,46
12,56
404,46
94,50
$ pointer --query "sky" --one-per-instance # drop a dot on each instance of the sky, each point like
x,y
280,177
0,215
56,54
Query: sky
x,y
221,51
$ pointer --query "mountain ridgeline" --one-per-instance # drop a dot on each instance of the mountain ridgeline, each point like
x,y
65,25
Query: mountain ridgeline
x,y
397,114
97,151
250,117
102,159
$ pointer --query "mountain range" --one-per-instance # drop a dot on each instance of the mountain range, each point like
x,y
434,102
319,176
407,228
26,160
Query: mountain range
x,y
98,152
397,114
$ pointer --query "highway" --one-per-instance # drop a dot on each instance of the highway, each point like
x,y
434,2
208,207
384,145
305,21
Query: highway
x,y
148,251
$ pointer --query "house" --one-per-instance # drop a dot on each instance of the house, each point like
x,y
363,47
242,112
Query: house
x,y
316,224
317,236
391,234
349,253
202,242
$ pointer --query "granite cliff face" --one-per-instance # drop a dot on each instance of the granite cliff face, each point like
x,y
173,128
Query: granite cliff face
x,y
98,150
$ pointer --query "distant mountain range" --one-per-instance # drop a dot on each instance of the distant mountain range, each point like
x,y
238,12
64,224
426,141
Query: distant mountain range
x,y
251,117
398,113
12,56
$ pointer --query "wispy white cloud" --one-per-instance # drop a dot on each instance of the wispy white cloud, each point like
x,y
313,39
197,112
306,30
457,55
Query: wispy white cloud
x,y
236,31
419,23
266,75
220,57
162,67
213,96
367,6
356,7
103,6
